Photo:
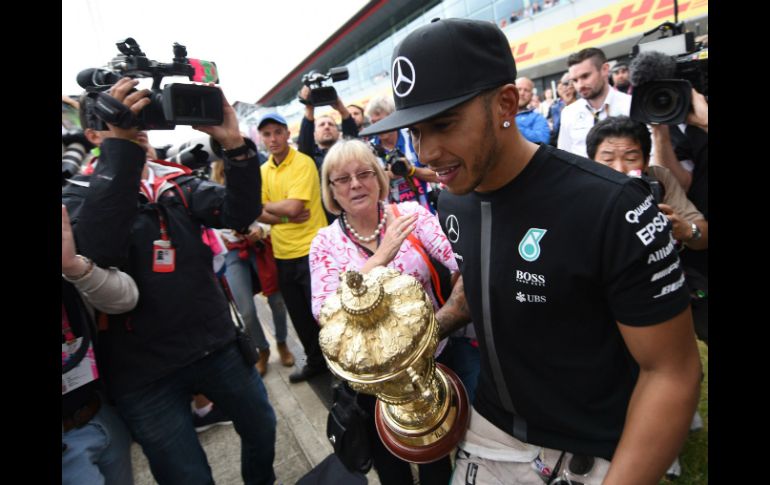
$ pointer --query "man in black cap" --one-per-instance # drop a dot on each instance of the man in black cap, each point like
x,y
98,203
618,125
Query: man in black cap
x,y
620,77
589,361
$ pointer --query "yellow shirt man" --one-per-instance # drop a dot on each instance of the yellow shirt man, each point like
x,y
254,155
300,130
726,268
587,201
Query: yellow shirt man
x,y
294,178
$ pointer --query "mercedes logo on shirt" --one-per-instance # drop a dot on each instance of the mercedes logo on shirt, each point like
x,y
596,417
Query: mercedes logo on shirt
x,y
403,76
452,228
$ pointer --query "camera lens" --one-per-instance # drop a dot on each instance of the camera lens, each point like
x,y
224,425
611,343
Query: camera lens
x,y
662,102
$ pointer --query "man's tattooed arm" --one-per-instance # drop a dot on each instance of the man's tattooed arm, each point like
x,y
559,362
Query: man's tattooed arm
x,y
455,313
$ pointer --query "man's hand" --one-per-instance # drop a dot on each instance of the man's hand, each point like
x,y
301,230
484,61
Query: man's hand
x,y
681,228
304,95
340,107
699,116
255,235
301,217
227,134
391,175
135,101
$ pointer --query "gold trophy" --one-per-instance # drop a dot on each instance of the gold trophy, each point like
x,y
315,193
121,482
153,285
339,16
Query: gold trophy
x,y
379,334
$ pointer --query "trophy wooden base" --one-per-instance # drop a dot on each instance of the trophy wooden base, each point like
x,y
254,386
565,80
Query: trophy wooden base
x,y
437,442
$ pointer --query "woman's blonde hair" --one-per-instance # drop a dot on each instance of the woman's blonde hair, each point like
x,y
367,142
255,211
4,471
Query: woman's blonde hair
x,y
218,171
342,152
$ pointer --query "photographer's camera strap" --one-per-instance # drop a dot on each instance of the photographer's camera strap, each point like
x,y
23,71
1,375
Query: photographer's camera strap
x,y
110,110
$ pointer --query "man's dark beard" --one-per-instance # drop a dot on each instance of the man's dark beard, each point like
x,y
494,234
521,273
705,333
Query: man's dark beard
x,y
488,152
597,93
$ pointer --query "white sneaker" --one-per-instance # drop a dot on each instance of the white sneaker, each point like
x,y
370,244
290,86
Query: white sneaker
x,y
674,470
697,422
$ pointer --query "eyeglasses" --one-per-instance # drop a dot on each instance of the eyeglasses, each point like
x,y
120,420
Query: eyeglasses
x,y
568,83
345,180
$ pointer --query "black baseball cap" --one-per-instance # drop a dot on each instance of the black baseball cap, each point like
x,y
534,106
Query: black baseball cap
x,y
443,64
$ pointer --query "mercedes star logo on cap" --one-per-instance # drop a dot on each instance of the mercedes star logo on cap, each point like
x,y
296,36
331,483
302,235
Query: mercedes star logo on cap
x,y
403,76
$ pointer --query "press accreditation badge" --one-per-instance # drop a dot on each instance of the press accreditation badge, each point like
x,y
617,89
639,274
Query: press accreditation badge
x,y
85,371
163,256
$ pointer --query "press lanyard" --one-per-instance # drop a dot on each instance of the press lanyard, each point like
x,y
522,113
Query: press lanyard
x,y
163,252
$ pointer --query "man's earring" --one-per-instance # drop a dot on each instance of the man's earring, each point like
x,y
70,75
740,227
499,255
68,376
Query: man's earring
x,y
506,124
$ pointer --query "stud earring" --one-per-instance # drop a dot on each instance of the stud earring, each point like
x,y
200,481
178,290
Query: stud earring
x,y
506,124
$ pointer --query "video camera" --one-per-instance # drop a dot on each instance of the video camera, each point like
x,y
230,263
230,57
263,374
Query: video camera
x,y
175,104
395,160
663,73
321,95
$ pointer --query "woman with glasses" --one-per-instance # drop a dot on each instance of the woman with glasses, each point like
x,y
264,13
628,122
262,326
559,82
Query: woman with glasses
x,y
567,96
370,233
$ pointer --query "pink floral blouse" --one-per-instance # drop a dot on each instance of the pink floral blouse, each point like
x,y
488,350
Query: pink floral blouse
x,y
333,252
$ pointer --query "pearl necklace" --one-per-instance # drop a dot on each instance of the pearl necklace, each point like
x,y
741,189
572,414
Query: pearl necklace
x,y
366,239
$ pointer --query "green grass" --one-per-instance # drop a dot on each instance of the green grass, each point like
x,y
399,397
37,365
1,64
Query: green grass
x,y
694,455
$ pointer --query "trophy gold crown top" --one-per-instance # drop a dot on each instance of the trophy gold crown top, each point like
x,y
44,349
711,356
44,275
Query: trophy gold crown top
x,y
376,324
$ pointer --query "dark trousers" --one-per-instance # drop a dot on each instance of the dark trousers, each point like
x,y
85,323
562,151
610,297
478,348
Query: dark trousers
x,y
395,471
294,281
160,420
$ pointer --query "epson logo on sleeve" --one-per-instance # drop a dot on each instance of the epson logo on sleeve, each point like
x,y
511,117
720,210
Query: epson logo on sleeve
x,y
632,216
647,233
671,288
665,272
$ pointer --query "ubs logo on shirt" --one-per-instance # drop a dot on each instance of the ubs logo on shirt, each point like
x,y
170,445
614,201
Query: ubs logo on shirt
x,y
523,297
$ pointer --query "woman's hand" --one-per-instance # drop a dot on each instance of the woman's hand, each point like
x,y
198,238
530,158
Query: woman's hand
x,y
395,234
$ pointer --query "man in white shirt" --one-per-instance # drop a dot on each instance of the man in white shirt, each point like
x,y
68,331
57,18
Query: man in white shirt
x,y
589,70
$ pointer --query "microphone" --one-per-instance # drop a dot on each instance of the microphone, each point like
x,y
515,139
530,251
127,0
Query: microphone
x,y
95,77
651,66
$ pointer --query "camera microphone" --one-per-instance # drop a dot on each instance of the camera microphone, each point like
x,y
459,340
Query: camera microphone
x,y
94,77
660,96
651,66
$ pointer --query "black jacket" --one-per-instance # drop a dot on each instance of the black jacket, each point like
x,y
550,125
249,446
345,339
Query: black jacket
x,y
183,315
306,141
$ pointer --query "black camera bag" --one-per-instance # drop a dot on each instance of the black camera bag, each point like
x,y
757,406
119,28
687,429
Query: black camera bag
x,y
346,430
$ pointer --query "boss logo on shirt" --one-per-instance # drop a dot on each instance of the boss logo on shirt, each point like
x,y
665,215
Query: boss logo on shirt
x,y
530,278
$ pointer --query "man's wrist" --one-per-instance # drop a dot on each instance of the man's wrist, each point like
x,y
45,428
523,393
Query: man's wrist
x,y
695,234
284,219
238,151
84,262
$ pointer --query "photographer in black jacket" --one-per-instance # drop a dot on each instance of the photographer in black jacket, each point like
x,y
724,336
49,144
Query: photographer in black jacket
x,y
145,216
317,135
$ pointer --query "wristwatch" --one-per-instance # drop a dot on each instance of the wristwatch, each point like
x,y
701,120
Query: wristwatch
x,y
696,234
241,150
